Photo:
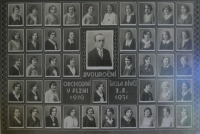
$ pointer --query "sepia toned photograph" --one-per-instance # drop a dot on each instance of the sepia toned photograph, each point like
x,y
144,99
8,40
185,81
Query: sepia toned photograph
x,y
34,65
16,65
15,40
15,91
99,49
16,14
127,65
52,116
16,116
99,91
184,116
184,90
52,65
147,39
34,14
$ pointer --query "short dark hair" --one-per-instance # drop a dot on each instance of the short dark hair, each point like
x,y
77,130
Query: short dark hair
x,y
52,83
168,34
110,109
15,85
145,58
31,35
50,32
33,58
33,7
187,84
127,109
52,58
129,57
69,7
15,109
13,35
16,6
96,36
70,110
69,59
185,58
166,57
187,8
168,7
89,109
147,108
129,31
50,7
32,109
33,84
98,85
150,6
51,109
167,109
113,9
131,7
145,32
147,83
187,32
16,59
88,6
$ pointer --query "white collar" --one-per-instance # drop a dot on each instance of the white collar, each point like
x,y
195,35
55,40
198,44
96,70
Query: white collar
x,y
109,120
16,67
71,41
167,16
128,67
143,40
101,95
18,120
146,91
184,93
165,94
70,15
16,95
90,118
125,118
166,66
166,42
33,92
130,14
99,49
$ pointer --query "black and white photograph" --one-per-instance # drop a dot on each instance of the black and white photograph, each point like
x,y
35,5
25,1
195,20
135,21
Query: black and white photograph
x,y
34,40
184,13
71,65
99,90
166,116
71,14
128,116
184,65
184,39
184,90
165,13
147,39
99,49
71,117
109,13
128,39
52,91
15,91
34,116
147,13
33,14
34,91
71,38
34,65
16,116
52,65
90,117
52,39
128,65
90,14
52,116
147,116
16,65
128,13
147,90
165,90
52,14
184,116
165,39
165,65
15,40
109,116
147,65
16,14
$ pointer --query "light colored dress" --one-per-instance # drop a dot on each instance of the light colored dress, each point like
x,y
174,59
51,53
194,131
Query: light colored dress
x,y
185,20
70,19
148,122
70,122
15,45
51,97
51,19
88,19
109,19
148,19
167,122
32,71
32,20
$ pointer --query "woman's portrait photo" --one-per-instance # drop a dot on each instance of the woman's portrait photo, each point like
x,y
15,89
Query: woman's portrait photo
x,y
16,14
52,91
128,13
166,92
128,65
147,90
128,116
16,65
34,116
109,13
52,14
15,40
184,13
184,116
127,39
90,14
52,39
34,65
100,88
165,39
184,65
90,114
109,116
71,65
34,91
53,116
16,116
71,37
34,39
71,116
15,91
184,90
184,39
71,14
34,14
147,39
147,13
165,116
165,12
147,65
147,117
165,65
52,64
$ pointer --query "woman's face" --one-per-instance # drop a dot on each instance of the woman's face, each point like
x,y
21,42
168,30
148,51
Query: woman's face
x,y
127,61
35,88
18,63
71,36
128,113
16,10
100,88
34,36
148,88
147,35
34,11
52,35
16,36
34,112
90,9
72,62
54,111
165,61
90,112
165,112
128,9
147,9
108,113
183,61
34,62
17,113
165,87
17,88
165,36
183,113
73,112
166,11
71,10
148,61
184,87
109,9
53,10
184,35
53,87
128,35
53,62
183,10
147,113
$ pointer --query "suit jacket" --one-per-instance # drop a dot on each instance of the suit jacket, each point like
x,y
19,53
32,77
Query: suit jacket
x,y
187,97
32,123
32,95
95,60
14,71
49,122
12,97
49,45
31,47
132,20
166,71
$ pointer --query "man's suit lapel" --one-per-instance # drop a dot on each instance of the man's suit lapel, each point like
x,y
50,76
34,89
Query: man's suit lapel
x,y
97,54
